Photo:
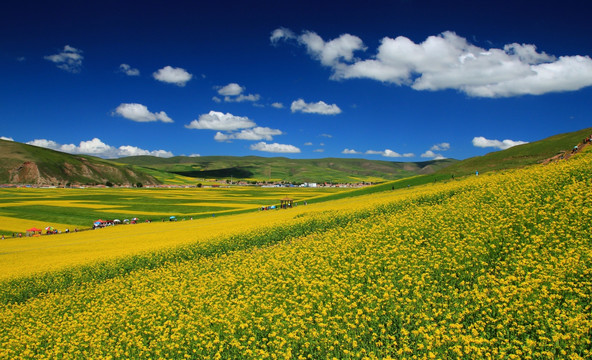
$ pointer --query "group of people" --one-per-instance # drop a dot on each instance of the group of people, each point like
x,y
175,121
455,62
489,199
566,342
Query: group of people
x,y
585,141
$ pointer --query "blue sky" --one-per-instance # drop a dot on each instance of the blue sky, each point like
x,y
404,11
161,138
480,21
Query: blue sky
x,y
401,80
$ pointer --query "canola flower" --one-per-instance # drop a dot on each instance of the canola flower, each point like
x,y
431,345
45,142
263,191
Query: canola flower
x,y
71,208
489,267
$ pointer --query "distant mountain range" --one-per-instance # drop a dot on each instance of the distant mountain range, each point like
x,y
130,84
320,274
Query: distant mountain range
x,y
27,164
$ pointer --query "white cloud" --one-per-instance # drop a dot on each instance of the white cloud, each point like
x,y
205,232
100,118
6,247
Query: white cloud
x,y
231,89
69,59
128,150
256,133
480,141
241,98
350,151
281,34
194,155
6,138
319,150
140,113
220,136
389,153
315,108
177,76
275,148
128,70
98,148
48,144
308,144
432,155
216,99
440,147
332,52
233,92
215,120
436,147
448,61
277,105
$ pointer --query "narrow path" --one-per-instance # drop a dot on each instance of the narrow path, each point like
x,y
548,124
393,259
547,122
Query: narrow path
x,y
565,155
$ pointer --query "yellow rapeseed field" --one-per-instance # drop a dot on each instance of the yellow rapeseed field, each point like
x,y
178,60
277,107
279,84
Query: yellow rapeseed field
x,y
489,267
79,208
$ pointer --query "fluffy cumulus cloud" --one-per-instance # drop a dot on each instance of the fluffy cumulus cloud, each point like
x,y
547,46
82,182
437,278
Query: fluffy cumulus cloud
x,y
480,141
329,53
69,59
389,153
215,120
436,147
449,61
274,148
231,89
233,92
140,113
254,134
277,105
350,151
441,147
98,148
171,75
315,108
228,126
432,155
6,138
128,70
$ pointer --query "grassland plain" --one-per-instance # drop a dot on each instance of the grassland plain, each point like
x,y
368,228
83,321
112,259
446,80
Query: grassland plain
x,y
23,208
495,266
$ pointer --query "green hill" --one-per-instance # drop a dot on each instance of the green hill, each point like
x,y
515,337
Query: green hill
x,y
254,168
27,164
554,147
519,156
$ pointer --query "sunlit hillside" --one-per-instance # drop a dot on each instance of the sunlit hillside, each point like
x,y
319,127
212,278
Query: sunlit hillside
x,y
490,266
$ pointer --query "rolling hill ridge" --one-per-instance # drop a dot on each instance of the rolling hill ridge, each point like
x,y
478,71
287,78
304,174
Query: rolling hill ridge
x,y
330,170
27,164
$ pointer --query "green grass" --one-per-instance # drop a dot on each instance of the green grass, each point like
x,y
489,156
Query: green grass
x,y
61,168
129,203
253,168
518,156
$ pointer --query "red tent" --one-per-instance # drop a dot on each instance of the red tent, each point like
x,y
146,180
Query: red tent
x,y
33,229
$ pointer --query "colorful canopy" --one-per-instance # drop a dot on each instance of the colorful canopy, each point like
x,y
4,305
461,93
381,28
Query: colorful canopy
x,y
33,229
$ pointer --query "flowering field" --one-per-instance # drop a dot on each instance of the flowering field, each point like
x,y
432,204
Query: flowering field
x,y
23,208
495,266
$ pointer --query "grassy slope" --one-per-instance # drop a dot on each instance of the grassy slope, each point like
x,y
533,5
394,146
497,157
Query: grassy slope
x,y
84,169
515,157
280,168
518,156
